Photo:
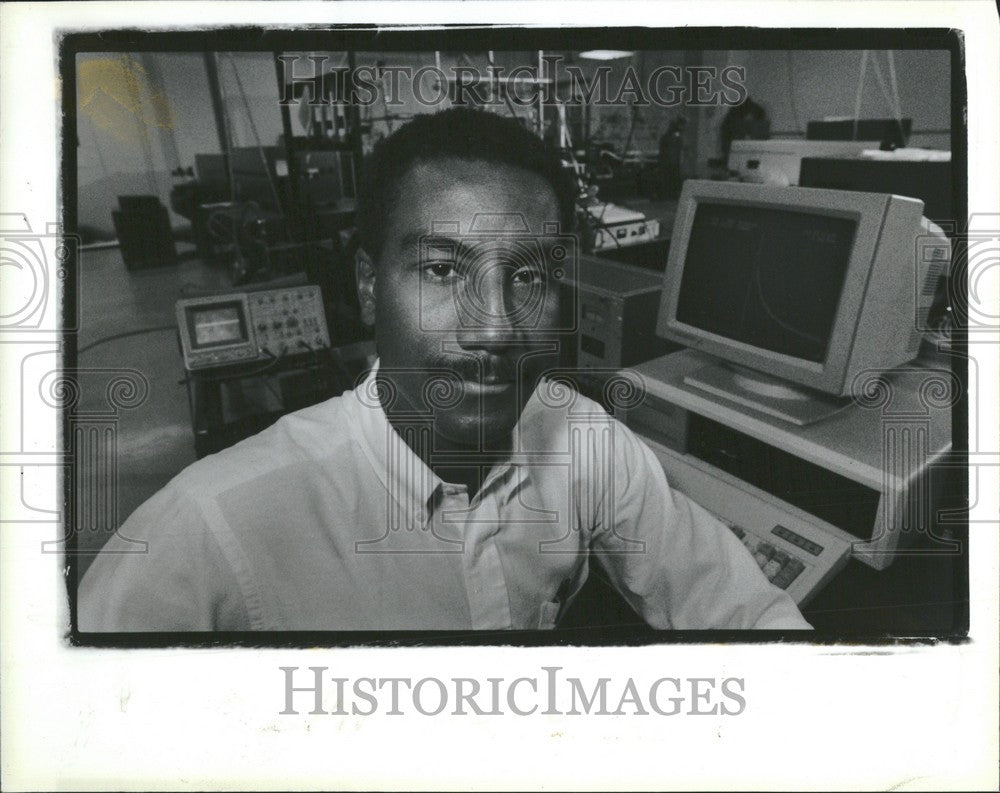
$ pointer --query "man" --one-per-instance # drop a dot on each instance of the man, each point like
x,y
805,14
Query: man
x,y
456,487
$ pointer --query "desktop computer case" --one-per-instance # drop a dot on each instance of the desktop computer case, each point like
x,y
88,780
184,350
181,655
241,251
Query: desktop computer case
x,y
616,306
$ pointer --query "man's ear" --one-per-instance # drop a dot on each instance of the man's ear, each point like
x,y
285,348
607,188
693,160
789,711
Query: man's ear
x,y
364,273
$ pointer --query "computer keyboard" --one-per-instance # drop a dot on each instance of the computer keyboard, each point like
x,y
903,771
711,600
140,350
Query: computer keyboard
x,y
800,561
795,550
780,567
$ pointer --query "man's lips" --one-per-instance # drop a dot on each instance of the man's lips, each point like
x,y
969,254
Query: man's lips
x,y
485,374
487,387
493,380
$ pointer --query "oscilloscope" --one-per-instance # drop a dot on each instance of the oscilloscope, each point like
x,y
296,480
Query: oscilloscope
x,y
243,327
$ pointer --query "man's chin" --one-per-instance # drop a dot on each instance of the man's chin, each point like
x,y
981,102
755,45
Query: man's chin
x,y
477,432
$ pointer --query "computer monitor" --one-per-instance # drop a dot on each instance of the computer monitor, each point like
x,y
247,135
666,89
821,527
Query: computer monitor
x,y
779,161
892,133
928,180
797,291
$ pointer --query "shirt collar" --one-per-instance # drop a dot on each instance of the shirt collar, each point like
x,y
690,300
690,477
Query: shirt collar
x,y
405,476
408,480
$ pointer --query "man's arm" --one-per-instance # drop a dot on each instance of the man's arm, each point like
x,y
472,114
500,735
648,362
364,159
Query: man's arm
x,y
675,563
182,582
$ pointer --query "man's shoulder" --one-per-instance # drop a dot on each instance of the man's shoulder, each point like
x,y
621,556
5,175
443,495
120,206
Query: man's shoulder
x,y
307,436
556,412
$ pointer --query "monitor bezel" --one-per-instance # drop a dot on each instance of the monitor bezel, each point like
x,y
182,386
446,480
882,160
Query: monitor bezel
x,y
196,357
867,209
191,316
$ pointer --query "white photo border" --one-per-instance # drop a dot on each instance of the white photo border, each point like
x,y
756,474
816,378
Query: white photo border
x,y
191,719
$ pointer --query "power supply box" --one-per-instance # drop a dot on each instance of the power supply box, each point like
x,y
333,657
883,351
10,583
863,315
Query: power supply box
x,y
616,306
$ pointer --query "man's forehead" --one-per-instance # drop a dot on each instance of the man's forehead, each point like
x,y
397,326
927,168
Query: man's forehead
x,y
474,197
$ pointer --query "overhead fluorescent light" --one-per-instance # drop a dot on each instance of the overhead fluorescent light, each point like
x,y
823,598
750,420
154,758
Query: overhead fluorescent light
x,y
606,55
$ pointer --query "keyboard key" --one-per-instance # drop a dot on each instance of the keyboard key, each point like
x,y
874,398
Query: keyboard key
x,y
778,566
782,580
794,568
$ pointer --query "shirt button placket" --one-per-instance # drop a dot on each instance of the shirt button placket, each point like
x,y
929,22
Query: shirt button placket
x,y
488,599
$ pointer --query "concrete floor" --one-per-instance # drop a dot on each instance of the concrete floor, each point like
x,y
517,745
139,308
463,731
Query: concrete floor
x,y
154,439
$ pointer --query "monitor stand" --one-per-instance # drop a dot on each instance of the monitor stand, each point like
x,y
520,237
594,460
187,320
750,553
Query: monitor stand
x,y
758,391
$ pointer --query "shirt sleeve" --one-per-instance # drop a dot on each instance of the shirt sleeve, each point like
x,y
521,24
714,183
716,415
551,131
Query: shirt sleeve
x,y
675,563
180,581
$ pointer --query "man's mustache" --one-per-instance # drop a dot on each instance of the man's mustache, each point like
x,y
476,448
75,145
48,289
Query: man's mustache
x,y
466,368
476,369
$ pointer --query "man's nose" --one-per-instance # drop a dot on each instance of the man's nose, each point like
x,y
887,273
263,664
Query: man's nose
x,y
487,311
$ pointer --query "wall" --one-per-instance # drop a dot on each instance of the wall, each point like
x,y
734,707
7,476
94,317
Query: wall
x,y
139,117
799,86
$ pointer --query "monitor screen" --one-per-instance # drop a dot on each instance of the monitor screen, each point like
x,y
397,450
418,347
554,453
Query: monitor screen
x,y
216,325
768,277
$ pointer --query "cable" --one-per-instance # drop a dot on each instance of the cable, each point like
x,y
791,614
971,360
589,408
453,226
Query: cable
x,y
275,360
229,152
895,86
124,336
886,94
317,364
892,93
256,135
860,93
895,94
97,148
791,91
599,221
628,142
135,95
239,375
599,225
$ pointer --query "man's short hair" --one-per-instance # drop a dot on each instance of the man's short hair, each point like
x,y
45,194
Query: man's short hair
x,y
458,133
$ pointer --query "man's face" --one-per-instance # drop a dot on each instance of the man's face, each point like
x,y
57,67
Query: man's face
x,y
464,287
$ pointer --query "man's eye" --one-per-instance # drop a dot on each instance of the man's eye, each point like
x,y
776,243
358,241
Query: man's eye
x,y
440,271
528,275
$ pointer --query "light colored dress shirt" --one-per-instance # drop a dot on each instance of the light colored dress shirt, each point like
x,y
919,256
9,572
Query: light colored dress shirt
x,y
328,520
